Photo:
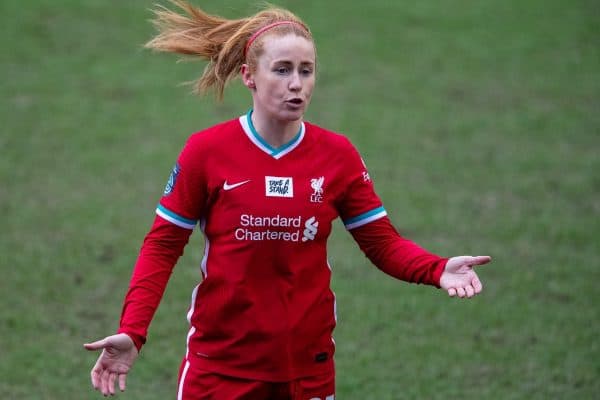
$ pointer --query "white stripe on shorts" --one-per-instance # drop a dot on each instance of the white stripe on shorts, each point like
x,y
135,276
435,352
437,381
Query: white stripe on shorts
x,y
182,380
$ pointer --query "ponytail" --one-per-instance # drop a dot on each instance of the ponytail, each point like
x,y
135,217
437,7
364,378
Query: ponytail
x,y
222,42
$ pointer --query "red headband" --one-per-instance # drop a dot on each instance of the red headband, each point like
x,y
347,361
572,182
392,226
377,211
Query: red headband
x,y
266,28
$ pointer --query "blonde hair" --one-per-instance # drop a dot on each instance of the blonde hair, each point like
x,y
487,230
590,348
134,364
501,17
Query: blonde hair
x,y
220,41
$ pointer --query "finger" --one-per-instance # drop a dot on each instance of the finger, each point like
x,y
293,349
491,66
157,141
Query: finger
x,y
452,292
477,285
100,344
461,292
111,383
122,381
104,382
95,375
470,291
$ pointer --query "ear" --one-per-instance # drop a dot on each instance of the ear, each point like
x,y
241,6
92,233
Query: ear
x,y
247,76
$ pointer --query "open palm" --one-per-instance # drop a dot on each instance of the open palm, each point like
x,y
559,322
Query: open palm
x,y
459,278
115,361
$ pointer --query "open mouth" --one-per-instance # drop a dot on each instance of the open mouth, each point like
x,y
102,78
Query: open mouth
x,y
295,101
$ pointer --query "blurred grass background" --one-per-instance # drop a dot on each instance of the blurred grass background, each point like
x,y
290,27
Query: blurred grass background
x,y
479,121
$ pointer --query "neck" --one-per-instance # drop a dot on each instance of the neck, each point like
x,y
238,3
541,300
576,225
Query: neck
x,y
275,132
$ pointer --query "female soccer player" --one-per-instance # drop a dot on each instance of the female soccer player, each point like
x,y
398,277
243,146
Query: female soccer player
x,y
265,189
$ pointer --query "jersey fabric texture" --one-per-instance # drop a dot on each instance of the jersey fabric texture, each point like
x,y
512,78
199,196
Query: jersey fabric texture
x,y
264,309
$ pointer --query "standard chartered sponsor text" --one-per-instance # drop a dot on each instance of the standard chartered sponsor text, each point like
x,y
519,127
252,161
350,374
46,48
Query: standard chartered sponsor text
x,y
258,228
247,234
277,220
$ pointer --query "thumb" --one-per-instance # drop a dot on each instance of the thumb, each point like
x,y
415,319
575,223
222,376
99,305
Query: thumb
x,y
97,345
480,260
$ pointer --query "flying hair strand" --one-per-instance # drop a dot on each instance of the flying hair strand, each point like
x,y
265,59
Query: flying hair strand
x,y
220,41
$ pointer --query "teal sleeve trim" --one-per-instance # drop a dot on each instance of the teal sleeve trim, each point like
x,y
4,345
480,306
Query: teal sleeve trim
x,y
175,218
365,218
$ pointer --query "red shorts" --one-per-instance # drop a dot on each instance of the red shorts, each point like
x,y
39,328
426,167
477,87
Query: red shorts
x,y
197,384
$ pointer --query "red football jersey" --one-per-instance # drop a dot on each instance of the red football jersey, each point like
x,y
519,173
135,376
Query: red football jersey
x,y
264,309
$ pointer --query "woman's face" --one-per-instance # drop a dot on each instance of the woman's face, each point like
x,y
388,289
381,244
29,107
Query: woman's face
x,y
284,77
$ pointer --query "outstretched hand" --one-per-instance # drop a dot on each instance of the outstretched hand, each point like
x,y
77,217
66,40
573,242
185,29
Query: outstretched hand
x,y
117,357
458,277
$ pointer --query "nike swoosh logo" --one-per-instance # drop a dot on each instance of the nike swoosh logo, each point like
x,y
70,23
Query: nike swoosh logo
x,y
233,186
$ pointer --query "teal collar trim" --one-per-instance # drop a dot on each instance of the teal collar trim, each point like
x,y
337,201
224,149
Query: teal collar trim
x,y
273,151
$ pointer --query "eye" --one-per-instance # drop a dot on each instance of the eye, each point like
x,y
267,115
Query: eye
x,y
282,70
306,71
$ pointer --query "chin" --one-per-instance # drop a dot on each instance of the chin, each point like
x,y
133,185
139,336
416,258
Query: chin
x,y
292,115
284,118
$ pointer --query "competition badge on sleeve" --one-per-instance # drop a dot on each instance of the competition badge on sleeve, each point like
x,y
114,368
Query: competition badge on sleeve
x,y
365,174
172,179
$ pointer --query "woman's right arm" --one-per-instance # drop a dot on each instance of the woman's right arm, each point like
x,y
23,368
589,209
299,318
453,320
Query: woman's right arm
x,y
178,212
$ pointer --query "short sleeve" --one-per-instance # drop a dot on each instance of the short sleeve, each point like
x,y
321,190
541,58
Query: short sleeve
x,y
359,204
184,196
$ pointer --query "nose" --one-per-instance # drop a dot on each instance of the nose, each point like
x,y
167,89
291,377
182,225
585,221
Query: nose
x,y
295,83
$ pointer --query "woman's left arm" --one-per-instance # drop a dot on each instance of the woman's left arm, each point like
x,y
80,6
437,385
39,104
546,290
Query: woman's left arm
x,y
405,260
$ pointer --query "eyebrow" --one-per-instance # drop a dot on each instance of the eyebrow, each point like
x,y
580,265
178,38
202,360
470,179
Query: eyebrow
x,y
288,62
